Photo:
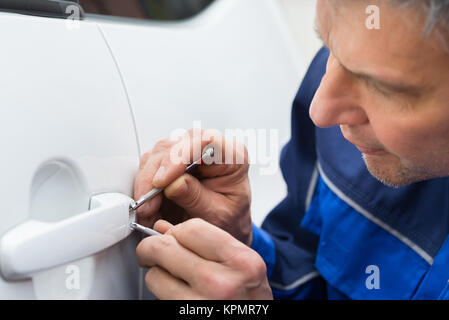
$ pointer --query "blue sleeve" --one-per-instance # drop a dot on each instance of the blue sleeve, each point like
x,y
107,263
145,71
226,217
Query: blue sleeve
x,y
311,289
287,248
264,245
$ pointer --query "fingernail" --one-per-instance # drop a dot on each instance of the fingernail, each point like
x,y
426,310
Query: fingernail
x,y
159,174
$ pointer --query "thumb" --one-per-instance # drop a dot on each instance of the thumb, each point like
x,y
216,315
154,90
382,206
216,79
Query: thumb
x,y
188,193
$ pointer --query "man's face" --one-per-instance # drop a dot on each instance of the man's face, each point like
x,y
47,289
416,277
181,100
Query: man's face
x,y
387,89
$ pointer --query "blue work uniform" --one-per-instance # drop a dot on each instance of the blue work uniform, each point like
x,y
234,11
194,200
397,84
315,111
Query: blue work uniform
x,y
340,233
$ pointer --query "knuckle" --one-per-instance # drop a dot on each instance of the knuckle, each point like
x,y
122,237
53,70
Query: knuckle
x,y
257,270
252,265
162,145
163,242
226,289
143,159
151,278
143,180
218,286
153,245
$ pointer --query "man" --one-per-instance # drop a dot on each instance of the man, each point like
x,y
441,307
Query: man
x,y
367,210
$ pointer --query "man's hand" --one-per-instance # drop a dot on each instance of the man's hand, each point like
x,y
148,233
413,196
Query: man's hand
x,y
218,193
196,260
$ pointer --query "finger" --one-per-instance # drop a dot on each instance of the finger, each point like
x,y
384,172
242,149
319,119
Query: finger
x,y
144,177
167,287
148,221
144,159
143,184
162,226
232,167
184,152
188,193
206,240
150,207
166,252
229,157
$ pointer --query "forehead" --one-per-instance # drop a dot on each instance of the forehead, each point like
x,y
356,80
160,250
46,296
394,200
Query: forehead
x,y
397,49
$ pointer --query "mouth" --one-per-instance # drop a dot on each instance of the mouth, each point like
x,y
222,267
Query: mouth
x,y
363,149
370,151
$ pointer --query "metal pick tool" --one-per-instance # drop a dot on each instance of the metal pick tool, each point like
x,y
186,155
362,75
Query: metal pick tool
x,y
209,153
148,231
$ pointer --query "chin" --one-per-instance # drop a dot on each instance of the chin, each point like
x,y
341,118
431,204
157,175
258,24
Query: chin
x,y
392,172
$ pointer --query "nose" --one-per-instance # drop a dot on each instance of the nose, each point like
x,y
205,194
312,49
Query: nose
x,y
336,101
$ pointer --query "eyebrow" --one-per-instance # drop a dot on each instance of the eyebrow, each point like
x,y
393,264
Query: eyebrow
x,y
398,87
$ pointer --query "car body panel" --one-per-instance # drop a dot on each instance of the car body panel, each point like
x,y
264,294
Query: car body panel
x,y
234,66
67,134
82,100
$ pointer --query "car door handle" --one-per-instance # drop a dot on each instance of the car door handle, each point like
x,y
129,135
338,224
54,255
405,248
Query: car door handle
x,y
34,245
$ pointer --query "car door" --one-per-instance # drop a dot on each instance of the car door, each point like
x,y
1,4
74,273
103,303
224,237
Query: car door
x,y
233,66
69,157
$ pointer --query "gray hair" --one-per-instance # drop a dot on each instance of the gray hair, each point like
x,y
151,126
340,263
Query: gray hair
x,y
437,17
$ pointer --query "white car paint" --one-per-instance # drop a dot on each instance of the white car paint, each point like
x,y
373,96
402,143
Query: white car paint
x,y
233,66
67,134
106,223
80,105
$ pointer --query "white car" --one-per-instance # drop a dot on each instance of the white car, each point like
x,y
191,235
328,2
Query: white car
x,y
81,100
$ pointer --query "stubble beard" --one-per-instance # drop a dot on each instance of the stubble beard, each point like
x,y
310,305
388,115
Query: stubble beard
x,y
392,172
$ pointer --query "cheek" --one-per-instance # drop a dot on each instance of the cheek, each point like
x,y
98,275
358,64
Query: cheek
x,y
411,137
